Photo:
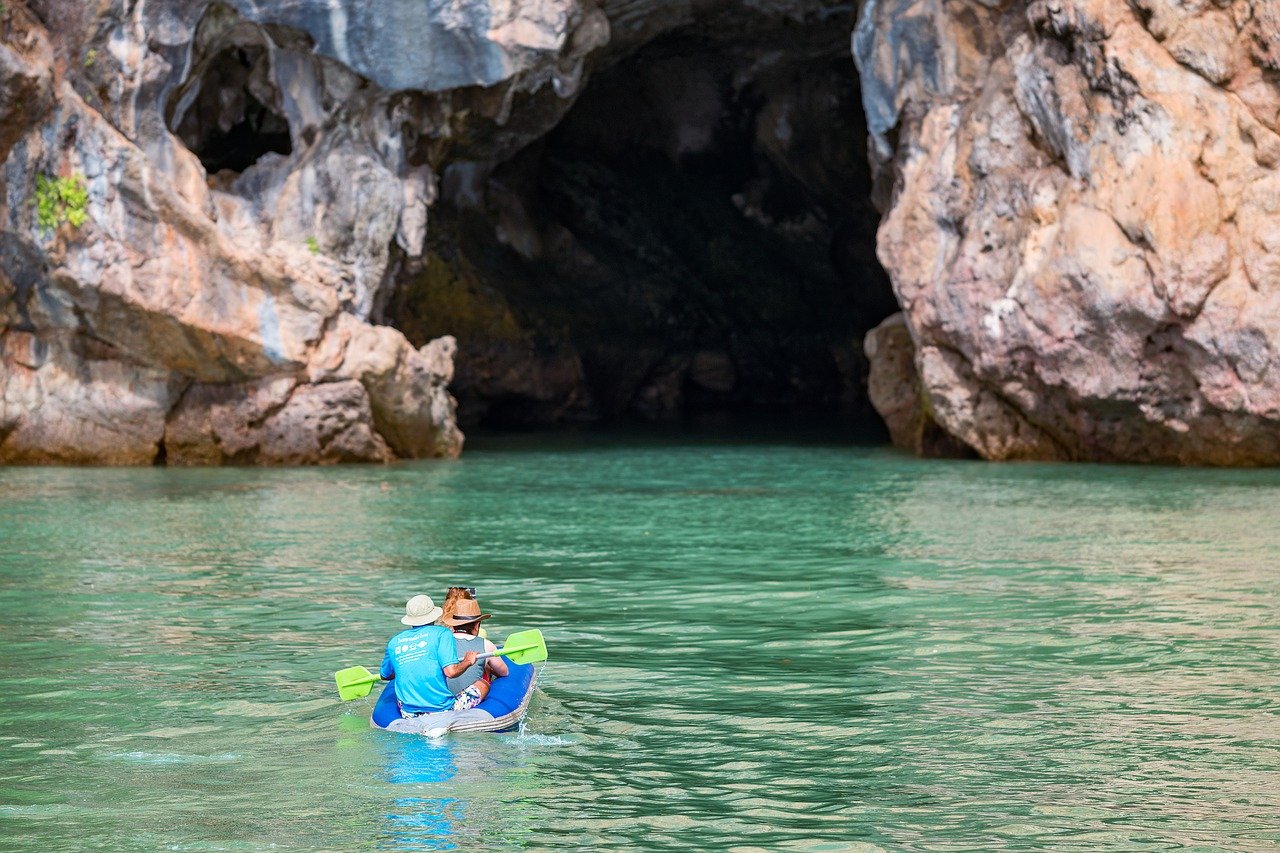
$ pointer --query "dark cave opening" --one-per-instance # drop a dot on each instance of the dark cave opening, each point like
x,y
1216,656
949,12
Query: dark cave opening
x,y
696,237
224,113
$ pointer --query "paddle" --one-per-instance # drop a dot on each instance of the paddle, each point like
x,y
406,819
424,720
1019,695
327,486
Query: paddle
x,y
356,682
521,647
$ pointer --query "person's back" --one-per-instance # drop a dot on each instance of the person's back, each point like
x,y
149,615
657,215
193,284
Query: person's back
x,y
421,658
467,643
416,658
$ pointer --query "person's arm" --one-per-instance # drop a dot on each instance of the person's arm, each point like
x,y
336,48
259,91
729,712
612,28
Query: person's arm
x,y
453,670
495,664
388,669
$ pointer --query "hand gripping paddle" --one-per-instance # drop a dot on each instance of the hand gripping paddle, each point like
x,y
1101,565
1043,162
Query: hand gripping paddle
x,y
356,682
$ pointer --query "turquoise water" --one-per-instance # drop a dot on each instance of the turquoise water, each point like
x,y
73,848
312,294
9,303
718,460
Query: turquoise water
x,y
756,646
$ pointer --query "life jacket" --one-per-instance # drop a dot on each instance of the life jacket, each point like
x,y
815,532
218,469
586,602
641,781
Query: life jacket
x,y
471,674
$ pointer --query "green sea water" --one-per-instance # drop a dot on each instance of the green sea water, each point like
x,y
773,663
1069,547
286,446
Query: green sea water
x,y
765,645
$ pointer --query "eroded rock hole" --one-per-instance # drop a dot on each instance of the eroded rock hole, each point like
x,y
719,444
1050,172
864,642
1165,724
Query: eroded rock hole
x,y
695,236
225,114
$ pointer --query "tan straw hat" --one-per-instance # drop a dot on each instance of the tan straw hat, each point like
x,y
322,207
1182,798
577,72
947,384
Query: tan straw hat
x,y
466,611
420,610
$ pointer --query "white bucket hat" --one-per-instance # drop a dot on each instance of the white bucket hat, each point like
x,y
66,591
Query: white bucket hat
x,y
420,610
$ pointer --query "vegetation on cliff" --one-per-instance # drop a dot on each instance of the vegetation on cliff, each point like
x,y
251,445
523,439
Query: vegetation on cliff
x,y
61,200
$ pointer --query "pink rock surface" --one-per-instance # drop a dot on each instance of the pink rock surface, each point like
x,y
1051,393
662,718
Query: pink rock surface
x,y
1082,228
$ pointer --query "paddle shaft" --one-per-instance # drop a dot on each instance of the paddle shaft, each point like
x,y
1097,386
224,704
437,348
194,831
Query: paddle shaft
x,y
479,659
499,653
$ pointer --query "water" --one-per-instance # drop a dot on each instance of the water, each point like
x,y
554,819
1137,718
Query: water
x,y
754,647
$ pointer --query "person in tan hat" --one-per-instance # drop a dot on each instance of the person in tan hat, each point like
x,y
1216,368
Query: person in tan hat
x,y
472,684
422,658
452,597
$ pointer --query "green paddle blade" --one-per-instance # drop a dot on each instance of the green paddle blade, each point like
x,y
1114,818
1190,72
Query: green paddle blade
x,y
354,682
525,647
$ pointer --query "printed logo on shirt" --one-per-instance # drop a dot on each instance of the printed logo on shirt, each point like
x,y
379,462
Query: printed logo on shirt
x,y
411,652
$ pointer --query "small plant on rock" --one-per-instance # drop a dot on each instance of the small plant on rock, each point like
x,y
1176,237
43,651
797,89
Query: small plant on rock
x,y
60,200
313,246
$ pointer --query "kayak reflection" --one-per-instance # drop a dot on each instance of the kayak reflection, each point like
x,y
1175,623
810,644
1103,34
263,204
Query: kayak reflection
x,y
422,822
459,792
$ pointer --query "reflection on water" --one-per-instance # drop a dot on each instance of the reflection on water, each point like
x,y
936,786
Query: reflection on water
x,y
457,792
422,822
754,647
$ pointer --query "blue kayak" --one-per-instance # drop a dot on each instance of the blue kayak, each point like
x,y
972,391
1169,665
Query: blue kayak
x,y
500,711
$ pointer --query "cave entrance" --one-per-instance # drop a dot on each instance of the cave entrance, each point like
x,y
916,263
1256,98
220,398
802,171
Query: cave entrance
x,y
695,236
226,112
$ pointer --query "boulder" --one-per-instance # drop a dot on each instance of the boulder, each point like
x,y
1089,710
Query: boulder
x,y
274,422
898,394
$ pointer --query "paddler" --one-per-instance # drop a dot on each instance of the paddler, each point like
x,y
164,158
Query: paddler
x,y
472,685
422,658
451,599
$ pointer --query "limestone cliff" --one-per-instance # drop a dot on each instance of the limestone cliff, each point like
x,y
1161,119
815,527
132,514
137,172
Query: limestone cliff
x,y
1081,226
257,180
224,185
249,232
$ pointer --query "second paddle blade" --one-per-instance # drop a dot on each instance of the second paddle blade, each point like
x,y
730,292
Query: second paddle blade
x,y
354,682
525,647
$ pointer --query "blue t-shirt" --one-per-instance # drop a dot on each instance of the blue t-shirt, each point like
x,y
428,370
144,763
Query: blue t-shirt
x,y
416,657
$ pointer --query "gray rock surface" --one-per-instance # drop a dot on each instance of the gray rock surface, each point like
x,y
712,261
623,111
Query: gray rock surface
x,y
26,76
186,291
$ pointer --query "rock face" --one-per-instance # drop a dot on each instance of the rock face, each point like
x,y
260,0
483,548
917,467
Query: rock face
x,y
244,172
218,239
1081,226
257,180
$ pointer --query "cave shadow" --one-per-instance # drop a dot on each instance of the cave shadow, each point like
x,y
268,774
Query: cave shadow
x,y
692,244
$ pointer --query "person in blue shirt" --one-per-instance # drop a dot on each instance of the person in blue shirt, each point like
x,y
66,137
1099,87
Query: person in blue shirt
x,y
422,659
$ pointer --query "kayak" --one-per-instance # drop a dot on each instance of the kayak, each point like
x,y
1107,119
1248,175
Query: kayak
x,y
501,710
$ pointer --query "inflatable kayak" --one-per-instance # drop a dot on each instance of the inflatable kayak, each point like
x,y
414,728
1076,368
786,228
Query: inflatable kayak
x,y
500,711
